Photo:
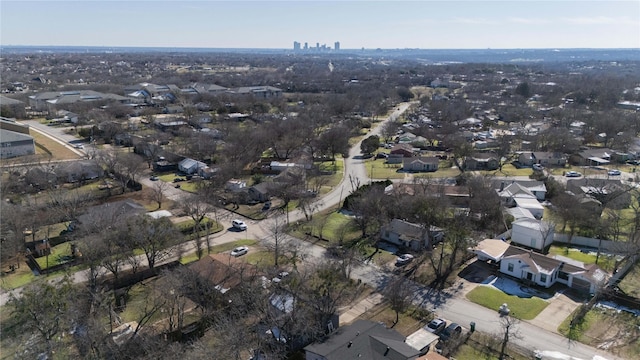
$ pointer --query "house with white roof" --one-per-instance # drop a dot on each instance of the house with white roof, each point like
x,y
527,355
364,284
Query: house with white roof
x,y
532,233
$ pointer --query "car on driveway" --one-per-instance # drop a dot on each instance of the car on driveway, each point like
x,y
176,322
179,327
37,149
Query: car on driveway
x,y
239,224
239,251
572,174
450,331
154,178
436,326
613,172
404,259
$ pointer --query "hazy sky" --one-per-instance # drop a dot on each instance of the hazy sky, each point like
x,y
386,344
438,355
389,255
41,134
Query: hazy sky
x,y
471,24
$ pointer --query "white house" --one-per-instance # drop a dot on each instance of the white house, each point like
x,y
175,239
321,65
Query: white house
x,y
533,233
190,166
545,271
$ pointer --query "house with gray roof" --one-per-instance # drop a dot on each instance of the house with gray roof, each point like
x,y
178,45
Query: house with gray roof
x,y
363,339
413,236
545,270
420,163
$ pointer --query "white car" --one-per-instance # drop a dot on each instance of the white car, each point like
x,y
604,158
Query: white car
x,y
572,174
404,259
613,172
239,224
239,251
538,167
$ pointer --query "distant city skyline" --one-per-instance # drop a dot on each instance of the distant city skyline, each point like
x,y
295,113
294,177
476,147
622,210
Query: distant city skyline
x,y
354,24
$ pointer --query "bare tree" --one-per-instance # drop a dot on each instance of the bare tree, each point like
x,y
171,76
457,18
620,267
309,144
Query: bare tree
x,y
509,330
153,236
399,295
42,308
198,210
158,192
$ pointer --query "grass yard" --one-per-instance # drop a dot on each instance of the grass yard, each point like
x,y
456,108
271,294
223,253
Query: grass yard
x,y
605,262
509,170
219,249
521,308
630,284
60,254
621,335
379,169
19,278
408,322
47,148
333,226
487,347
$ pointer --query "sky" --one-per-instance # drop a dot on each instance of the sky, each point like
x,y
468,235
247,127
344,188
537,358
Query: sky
x,y
426,24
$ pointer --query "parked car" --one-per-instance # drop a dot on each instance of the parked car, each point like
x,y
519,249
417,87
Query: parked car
x,y
404,259
382,156
572,174
266,206
538,167
154,178
78,146
280,277
178,179
239,224
450,331
436,326
239,251
613,172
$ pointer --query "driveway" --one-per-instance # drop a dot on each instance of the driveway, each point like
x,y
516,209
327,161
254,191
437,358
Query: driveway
x,y
560,307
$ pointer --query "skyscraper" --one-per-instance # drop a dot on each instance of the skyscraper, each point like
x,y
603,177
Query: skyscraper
x,y
336,45
296,45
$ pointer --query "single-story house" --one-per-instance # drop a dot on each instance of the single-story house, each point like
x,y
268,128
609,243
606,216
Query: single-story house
x,y
420,163
80,170
592,157
260,192
282,166
410,235
405,150
545,271
482,161
544,158
190,166
363,339
611,193
235,185
532,233
537,188
513,191
223,271
531,204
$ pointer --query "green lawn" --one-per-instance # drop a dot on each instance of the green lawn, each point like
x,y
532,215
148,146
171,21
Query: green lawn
x,y
521,308
605,262
334,226
60,254
219,249
379,169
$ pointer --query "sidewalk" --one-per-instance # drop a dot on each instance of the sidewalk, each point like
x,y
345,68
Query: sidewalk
x,y
348,314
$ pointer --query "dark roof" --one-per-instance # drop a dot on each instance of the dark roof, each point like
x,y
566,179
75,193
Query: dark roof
x,y
536,260
364,339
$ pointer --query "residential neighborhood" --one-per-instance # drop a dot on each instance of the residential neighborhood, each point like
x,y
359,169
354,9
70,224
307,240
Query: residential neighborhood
x,y
258,207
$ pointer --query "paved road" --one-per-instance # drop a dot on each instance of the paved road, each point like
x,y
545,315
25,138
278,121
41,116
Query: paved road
x,y
448,304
